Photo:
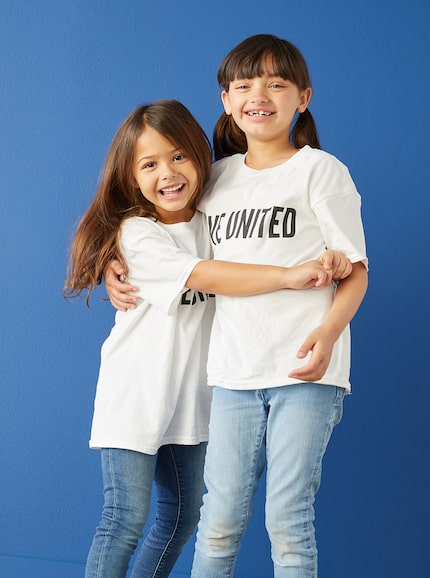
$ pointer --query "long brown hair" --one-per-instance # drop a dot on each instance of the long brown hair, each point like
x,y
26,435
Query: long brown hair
x,y
96,241
247,60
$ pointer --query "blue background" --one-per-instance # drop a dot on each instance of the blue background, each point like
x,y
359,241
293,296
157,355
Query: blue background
x,y
70,71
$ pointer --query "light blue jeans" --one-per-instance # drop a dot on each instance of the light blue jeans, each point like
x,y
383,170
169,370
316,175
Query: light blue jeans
x,y
287,428
128,477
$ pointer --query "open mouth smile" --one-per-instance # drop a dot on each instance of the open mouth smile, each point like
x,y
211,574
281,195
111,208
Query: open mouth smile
x,y
172,192
259,113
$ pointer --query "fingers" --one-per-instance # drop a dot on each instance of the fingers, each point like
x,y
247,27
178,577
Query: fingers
x,y
121,297
339,263
123,303
121,294
121,287
327,259
316,367
117,268
119,306
308,275
113,270
313,371
321,274
305,348
343,270
324,277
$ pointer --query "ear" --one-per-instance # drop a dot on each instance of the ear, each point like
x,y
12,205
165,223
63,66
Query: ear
x,y
305,97
226,102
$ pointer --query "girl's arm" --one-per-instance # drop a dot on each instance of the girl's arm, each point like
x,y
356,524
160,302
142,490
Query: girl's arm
x,y
120,292
320,342
241,279
226,278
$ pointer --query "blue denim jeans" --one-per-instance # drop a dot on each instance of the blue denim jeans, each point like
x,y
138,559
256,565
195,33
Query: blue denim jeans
x,y
287,429
128,477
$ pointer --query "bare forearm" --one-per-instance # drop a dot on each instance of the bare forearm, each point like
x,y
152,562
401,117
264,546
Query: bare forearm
x,y
236,279
349,295
242,279
320,342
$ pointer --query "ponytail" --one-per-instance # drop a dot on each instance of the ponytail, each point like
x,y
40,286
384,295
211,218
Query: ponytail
x,y
228,138
305,131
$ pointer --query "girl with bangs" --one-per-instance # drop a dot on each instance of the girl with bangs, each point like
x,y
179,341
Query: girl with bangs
x,y
278,405
152,402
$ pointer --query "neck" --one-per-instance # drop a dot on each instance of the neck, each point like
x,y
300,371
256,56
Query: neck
x,y
265,155
173,217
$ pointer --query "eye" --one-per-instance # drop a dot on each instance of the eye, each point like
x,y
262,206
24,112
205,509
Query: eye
x,y
241,85
277,84
147,165
179,157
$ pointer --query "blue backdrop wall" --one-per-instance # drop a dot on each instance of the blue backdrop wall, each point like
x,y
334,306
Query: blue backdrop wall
x,y
69,73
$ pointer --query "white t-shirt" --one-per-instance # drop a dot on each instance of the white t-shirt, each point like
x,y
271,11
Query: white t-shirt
x,y
281,216
152,387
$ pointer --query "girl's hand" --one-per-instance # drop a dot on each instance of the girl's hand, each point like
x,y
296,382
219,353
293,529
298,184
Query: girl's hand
x,y
117,287
309,274
320,344
339,264
349,294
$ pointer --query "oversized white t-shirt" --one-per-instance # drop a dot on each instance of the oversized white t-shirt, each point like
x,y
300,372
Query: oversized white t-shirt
x,y
152,386
283,215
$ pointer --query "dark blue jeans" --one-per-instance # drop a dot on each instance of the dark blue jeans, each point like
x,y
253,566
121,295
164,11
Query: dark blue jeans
x,y
176,472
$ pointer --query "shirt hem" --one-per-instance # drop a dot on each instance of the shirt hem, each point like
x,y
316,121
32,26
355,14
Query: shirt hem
x,y
95,444
248,386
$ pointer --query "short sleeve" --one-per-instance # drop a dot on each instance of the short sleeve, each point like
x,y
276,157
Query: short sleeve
x,y
337,205
157,264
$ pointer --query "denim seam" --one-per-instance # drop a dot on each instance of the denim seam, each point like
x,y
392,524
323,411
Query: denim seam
x,y
111,523
316,474
252,487
177,518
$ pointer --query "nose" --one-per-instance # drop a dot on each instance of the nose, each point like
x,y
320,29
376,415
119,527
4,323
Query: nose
x,y
259,98
168,175
168,171
259,95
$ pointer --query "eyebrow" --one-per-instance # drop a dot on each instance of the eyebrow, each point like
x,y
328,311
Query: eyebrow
x,y
152,156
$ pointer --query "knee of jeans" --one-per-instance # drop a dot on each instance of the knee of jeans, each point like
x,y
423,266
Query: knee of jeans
x,y
293,546
125,523
182,524
182,514
219,539
218,546
189,520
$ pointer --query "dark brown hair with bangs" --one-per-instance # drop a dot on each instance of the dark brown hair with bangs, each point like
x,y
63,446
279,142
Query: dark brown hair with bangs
x,y
118,197
249,60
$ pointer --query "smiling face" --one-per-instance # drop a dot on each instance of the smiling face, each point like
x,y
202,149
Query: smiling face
x,y
264,106
165,176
